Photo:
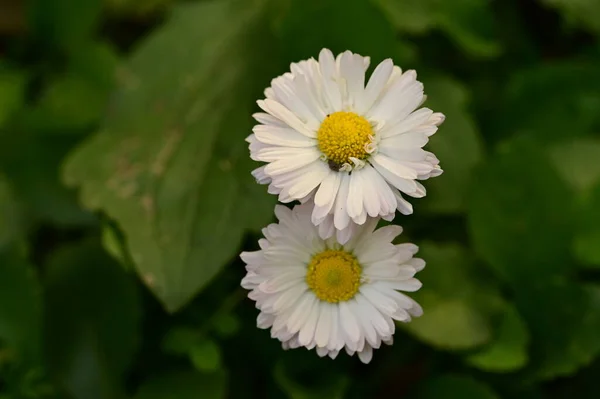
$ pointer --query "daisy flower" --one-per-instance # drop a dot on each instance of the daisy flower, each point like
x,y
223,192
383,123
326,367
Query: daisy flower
x,y
350,148
321,294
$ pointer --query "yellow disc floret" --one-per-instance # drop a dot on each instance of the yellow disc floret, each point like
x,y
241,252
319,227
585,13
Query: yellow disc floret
x,y
343,135
334,275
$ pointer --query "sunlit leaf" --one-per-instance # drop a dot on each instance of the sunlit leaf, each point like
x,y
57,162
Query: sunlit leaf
x,y
576,161
457,300
184,385
171,165
93,320
457,144
521,213
468,22
508,351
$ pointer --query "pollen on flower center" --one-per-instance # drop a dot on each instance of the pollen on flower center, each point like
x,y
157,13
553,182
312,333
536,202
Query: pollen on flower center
x,y
334,276
345,135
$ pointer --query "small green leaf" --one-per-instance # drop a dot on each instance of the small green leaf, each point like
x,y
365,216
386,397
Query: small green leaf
x,y
578,13
521,213
576,161
454,318
457,144
93,321
226,325
12,92
587,236
12,218
184,385
552,101
329,384
468,22
54,21
180,340
206,356
508,351
171,165
20,305
564,320
339,25
456,387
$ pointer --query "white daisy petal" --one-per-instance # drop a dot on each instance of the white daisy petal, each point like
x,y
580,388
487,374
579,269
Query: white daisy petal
x,y
347,146
325,295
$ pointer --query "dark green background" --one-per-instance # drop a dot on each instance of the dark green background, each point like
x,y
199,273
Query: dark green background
x,y
125,198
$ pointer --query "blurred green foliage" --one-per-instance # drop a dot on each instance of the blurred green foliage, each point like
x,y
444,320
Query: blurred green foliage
x,y
125,197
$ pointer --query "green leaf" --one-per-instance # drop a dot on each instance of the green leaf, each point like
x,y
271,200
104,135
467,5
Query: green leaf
x,y
508,351
564,320
54,21
33,175
226,325
20,305
12,92
457,144
576,161
180,340
137,7
93,321
456,387
339,25
551,101
454,318
184,385
578,13
467,22
329,384
171,165
521,214
12,218
206,355
75,101
587,236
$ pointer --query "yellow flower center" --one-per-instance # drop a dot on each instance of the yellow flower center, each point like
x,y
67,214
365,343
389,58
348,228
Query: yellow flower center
x,y
334,276
343,135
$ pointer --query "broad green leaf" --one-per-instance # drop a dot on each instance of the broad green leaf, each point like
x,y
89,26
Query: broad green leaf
x,y
564,320
12,218
205,355
93,321
457,144
339,25
553,101
12,92
508,351
576,161
33,175
521,213
184,385
468,22
171,165
458,301
455,387
20,305
578,12
324,385
587,236
64,23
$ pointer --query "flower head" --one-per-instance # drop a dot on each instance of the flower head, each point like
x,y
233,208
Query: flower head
x,y
348,147
321,294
